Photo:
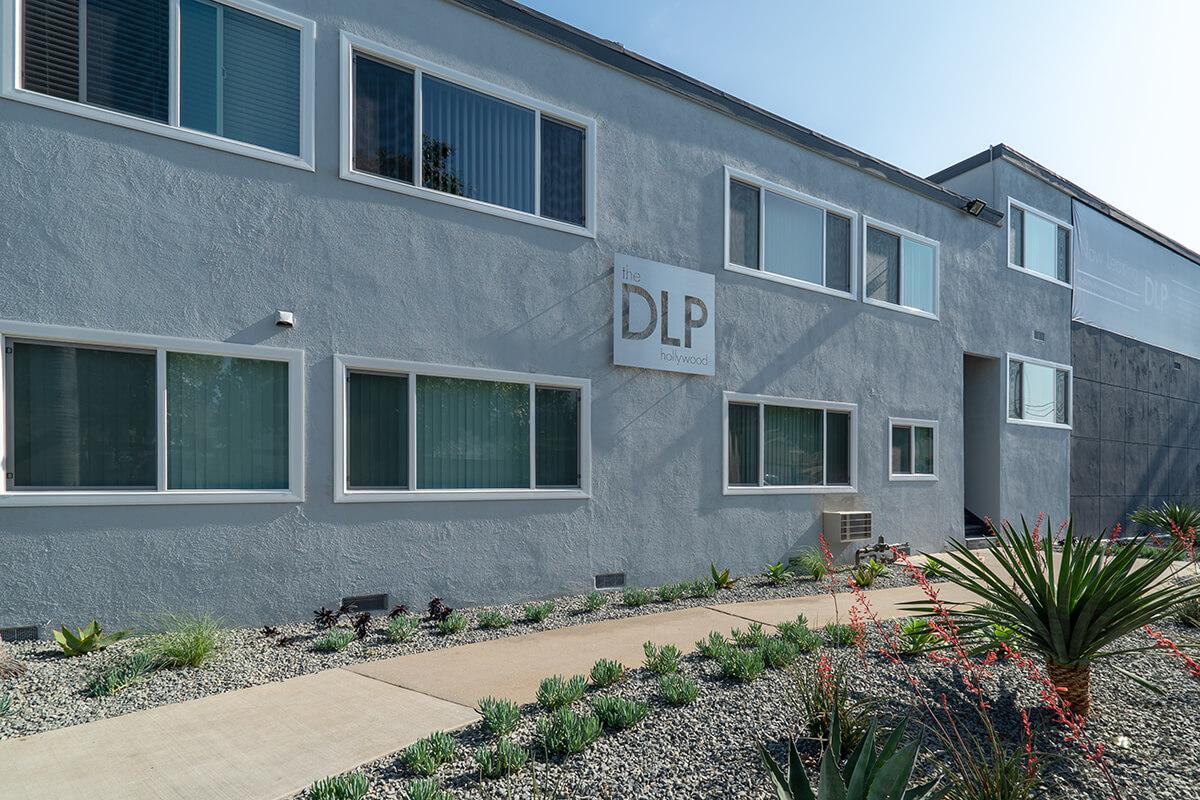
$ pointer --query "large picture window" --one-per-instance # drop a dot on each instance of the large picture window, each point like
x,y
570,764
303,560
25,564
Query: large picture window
x,y
913,444
775,444
422,432
244,69
900,269
1038,243
122,418
786,236
1039,392
413,127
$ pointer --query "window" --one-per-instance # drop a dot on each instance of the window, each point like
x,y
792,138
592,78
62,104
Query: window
x,y
423,432
900,269
415,128
775,444
785,236
1038,392
85,426
914,449
1038,243
244,70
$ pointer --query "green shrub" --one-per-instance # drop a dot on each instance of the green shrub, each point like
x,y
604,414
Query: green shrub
x,y
713,645
662,660
670,592
796,631
742,666
186,640
809,562
677,689
753,636
607,673
777,574
917,637
5,703
492,619
824,697
423,757
778,652
500,716
557,691
635,597
617,713
865,574
503,758
565,733
88,639
701,587
839,634
402,628
594,601
537,612
425,789
454,622
1171,519
720,578
353,786
122,675
337,639
933,569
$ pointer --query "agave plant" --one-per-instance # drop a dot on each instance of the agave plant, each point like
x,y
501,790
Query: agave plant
x,y
866,774
1069,613
1173,519
87,639
720,578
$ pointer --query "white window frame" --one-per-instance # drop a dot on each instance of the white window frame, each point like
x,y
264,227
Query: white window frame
x,y
894,422
11,82
764,186
789,402
351,44
895,230
160,346
343,364
1028,209
1011,357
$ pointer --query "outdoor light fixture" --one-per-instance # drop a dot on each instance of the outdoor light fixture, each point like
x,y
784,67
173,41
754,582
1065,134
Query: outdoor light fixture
x,y
975,207
285,319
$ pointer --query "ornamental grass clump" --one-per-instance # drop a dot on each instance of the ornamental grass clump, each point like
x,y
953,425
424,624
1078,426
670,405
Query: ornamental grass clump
x,y
500,716
537,612
502,758
454,622
606,672
353,786
402,628
565,733
336,640
594,600
556,691
823,696
809,562
677,689
617,713
662,660
186,640
494,620
635,597
1068,613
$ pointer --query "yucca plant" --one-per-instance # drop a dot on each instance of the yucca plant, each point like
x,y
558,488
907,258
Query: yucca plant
x,y
1172,519
87,639
865,775
1069,614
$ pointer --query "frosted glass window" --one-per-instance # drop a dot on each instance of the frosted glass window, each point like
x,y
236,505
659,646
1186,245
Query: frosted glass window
x,y
794,239
917,276
743,224
1040,245
837,252
883,266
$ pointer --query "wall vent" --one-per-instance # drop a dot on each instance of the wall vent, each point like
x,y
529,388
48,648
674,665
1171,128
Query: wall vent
x,y
368,602
23,633
610,580
1039,336
849,526
1177,365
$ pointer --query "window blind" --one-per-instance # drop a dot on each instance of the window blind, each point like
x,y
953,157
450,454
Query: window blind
x,y
562,171
127,56
50,37
383,119
472,434
793,445
377,431
556,434
743,445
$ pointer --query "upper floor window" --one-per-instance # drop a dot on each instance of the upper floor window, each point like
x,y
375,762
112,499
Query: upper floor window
x,y
128,419
414,127
914,449
900,269
1039,392
241,69
786,236
423,432
778,444
1038,243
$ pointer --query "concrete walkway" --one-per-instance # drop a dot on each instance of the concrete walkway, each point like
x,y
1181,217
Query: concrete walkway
x,y
269,742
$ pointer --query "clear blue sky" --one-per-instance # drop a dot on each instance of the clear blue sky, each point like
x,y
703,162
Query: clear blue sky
x,y
1103,92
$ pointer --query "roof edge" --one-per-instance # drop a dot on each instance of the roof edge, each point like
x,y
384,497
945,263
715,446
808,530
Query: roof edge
x,y
1028,165
616,56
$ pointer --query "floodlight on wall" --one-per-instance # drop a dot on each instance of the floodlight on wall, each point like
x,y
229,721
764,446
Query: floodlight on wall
x,y
975,207
285,319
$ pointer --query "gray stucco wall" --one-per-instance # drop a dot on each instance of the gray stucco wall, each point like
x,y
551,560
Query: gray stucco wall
x,y
115,229
1136,439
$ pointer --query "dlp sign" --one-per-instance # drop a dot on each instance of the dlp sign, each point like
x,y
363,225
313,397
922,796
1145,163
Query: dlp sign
x,y
663,317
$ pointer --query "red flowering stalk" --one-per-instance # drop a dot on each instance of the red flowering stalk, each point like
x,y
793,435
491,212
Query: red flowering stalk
x,y
1161,640
1113,535
827,556
1030,758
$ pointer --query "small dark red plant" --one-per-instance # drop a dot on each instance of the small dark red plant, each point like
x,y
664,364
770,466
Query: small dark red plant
x,y
438,610
362,625
398,611
269,633
324,618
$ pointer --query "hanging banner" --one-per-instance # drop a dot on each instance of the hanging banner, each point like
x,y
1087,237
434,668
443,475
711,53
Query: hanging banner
x,y
663,317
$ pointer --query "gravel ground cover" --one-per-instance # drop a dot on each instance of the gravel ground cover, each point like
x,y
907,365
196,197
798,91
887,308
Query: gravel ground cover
x,y
707,749
52,693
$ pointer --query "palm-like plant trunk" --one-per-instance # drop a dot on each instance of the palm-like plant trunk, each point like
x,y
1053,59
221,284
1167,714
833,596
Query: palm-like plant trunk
x,y
1075,685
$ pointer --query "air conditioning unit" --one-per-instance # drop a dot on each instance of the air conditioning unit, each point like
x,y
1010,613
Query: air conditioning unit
x,y
848,526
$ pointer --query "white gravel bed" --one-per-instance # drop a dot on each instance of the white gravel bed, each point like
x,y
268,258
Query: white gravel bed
x,y
707,750
52,693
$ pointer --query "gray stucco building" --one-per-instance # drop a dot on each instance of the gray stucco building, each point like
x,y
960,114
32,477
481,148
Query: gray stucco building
x,y
437,193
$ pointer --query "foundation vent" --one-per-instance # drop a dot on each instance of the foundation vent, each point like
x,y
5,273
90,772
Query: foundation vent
x,y
848,526
368,602
24,633
610,580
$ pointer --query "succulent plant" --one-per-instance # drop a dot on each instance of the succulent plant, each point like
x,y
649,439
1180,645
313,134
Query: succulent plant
x,y
670,592
124,674
537,612
362,625
840,634
778,652
713,646
398,611
438,610
810,563
425,789
594,601
324,618
662,660
402,628
493,620
500,716
617,713
337,639
606,672
504,758
677,689
635,597
740,665
753,636
454,622
557,691
353,786
88,639
268,632
778,574
564,732
721,578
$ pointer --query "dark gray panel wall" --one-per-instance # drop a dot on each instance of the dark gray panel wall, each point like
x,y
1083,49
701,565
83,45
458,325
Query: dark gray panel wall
x,y
1136,436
